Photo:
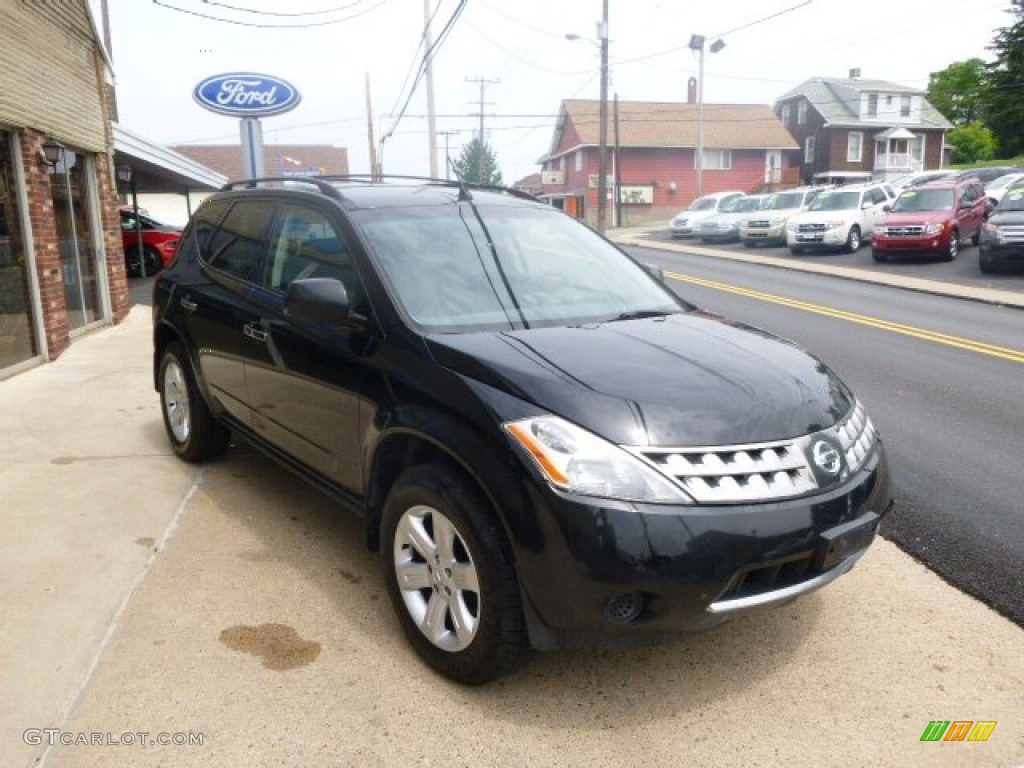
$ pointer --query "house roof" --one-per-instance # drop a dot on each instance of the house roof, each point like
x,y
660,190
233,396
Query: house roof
x,y
278,159
673,124
837,100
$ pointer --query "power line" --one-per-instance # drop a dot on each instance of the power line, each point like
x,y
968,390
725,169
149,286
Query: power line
x,y
239,23
277,13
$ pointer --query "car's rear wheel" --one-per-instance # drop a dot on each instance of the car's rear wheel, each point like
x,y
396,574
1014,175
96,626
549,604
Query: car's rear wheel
x,y
450,575
150,257
954,246
853,239
193,432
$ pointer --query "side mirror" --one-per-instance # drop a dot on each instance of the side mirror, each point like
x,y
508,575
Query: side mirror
x,y
886,207
317,300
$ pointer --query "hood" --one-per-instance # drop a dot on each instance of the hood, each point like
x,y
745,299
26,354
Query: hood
x,y
684,380
906,218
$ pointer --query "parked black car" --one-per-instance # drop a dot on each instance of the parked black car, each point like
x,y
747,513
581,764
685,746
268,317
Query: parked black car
x,y
1002,236
548,446
988,173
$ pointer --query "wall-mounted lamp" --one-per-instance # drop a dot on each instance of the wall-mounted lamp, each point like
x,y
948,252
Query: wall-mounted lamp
x,y
124,173
53,152
672,186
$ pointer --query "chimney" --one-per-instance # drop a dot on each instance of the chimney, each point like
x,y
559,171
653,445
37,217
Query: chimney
x,y
691,91
855,73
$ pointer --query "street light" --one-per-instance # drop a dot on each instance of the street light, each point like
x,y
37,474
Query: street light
x,y
697,44
602,157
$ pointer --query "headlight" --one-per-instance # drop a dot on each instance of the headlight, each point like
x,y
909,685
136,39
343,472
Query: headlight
x,y
835,224
778,220
934,229
793,226
991,231
577,461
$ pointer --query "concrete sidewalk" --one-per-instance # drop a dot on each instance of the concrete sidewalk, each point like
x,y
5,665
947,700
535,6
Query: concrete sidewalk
x,y
134,584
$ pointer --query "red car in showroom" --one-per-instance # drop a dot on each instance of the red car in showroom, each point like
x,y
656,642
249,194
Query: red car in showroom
x,y
932,219
157,246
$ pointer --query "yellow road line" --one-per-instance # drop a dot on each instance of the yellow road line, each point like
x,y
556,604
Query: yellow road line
x,y
959,342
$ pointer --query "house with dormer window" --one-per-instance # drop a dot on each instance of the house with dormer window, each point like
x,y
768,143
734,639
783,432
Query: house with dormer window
x,y
854,129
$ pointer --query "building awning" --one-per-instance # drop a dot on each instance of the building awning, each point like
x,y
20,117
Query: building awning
x,y
894,133
158,169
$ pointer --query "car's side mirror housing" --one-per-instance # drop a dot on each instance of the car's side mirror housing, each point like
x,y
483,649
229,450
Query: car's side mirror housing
x,y
886,207
318,300
655,270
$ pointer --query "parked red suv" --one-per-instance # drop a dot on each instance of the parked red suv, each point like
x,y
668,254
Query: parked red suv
x,y
931,219
159,242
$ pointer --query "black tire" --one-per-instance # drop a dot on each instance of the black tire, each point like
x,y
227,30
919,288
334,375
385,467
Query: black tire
x,y
976,237
191,429
954,246
796,250
435,502
986,266
879,256
853,239
748,244
133,265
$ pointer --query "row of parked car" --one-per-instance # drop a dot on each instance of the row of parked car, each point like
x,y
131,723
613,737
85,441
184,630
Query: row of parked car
x,y
931,213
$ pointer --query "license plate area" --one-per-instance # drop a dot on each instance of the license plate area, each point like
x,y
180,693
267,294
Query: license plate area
x,y
837,544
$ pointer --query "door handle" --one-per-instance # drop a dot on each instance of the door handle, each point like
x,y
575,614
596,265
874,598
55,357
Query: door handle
x,y
254,333
188,306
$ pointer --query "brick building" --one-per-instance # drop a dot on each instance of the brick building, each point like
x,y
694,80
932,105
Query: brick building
x,y
61,260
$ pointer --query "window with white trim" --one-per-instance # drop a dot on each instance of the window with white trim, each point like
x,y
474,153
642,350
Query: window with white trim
x,y
785,115
579,160
715,159
854,146
904,106
809,149
872,104
801,112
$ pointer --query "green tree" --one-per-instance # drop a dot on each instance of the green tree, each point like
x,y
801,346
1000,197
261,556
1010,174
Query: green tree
x,y
959,90
477,164
1004,98
972,143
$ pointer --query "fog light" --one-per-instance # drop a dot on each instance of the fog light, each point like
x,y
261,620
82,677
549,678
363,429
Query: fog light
x,y
625,608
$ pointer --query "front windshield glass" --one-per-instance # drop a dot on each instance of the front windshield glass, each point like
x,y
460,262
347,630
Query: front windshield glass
x,y
924,200
741,205
545,269
835,201
1013,200
702,204
783,201
1003,181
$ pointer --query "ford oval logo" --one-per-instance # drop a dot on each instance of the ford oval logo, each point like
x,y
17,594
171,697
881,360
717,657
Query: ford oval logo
x,y
246,94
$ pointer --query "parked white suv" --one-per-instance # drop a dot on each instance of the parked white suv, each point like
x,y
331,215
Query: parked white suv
x,y
767,226
838,218
685,222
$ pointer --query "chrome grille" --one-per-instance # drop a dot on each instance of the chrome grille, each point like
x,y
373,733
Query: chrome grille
x,y
905,231
811,228
762,471
759,224
1011,234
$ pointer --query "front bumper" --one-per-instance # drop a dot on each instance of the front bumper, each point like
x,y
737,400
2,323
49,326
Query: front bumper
x,y
687,568
911,245
1001,253
776,234
828,238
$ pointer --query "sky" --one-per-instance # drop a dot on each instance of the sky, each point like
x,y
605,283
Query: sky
x,y
160,54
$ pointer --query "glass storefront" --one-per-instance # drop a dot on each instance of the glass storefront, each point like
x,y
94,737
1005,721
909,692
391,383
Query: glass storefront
x,y
17,335
69,184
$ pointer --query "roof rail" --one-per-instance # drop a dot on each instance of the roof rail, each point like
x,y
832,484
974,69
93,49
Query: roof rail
x,y
325,185
317,181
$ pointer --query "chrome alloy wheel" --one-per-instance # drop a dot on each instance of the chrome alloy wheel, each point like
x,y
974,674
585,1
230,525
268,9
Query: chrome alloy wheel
x,y
176,402
437,578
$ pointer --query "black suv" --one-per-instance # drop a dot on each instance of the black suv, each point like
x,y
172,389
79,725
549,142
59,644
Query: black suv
x,y
548,446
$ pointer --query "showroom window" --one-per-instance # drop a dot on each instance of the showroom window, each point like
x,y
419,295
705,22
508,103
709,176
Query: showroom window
x,y
17,334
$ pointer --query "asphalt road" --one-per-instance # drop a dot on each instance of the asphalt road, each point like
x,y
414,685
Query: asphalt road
x,y
940,379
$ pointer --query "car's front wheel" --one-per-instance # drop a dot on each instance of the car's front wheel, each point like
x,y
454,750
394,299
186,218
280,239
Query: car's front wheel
x,y
150,258
954,246
450,575
193,432
853,239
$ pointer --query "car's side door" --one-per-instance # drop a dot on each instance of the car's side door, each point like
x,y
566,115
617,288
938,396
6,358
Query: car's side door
x,y
875,201
219,313
971,210
305,395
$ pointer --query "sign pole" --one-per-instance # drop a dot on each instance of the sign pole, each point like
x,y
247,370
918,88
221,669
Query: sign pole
x,y
253,166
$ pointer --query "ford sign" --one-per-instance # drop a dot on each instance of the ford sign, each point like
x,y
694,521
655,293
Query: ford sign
x,y
246,94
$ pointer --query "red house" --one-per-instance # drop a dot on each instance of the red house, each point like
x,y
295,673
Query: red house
x,y
652,148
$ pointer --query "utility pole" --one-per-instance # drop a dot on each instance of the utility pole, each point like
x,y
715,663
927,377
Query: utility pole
x,y
617,194
429,69
374,163
447,155
602,161
483,83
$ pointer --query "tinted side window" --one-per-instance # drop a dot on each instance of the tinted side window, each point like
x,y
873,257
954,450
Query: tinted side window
x,y
238,245
304,243
201,229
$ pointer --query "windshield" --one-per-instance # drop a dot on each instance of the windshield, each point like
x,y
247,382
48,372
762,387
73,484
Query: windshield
x,y
1013,200
702,204
924,200
741,205
1003,181
835,201
545,269
783,201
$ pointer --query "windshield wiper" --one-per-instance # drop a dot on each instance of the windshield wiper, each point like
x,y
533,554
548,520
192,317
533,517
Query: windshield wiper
x,y
641,314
